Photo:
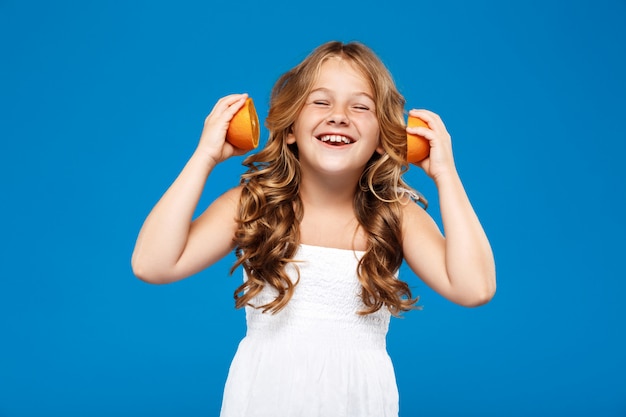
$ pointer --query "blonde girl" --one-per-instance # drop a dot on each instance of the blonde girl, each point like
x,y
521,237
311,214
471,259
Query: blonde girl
x,y
321,223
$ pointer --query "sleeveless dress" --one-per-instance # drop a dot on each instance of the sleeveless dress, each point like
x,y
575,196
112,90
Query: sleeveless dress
x,y
317,357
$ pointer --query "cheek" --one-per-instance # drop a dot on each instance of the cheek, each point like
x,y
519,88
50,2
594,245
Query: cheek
x,y
367,125
372,125
376,139
375,133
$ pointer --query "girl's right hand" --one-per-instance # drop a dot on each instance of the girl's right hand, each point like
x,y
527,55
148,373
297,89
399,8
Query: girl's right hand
x,y
213,144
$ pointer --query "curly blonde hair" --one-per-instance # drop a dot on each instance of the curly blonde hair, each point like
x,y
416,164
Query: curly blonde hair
x,y
270,209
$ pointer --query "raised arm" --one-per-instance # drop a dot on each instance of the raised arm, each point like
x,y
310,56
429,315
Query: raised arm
x,y
459,266
171,245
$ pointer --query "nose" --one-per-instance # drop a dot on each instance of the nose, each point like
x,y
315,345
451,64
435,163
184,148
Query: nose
x,y
338,116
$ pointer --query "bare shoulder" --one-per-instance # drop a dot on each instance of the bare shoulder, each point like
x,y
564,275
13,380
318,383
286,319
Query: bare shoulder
x,y
212,234
223,208
232,195
414,216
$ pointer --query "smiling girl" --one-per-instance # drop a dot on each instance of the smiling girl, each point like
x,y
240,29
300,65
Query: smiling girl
x,y
320,224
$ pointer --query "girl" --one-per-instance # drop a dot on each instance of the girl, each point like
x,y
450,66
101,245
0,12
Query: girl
x,y
320,224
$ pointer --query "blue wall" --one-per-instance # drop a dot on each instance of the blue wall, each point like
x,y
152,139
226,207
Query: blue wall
x,y
101,103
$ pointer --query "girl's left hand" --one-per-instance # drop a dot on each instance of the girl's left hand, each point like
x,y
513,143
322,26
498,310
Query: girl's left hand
x,y
440,160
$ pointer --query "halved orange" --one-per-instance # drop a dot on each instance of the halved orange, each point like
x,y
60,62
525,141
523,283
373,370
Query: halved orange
x,y
243,130
418,147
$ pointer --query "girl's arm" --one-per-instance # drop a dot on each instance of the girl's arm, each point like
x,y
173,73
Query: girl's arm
x,y
171,246
460,266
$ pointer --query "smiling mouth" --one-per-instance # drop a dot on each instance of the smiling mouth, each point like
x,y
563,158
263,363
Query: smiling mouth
x,y
336,140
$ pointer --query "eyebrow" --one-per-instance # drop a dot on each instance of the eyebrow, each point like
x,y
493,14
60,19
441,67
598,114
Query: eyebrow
x,y
357,94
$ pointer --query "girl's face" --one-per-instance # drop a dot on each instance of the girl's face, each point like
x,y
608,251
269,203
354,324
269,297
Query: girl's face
x,y
337,129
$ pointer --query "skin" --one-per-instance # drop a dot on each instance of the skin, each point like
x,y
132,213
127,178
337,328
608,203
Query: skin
x,y
340,103
460,267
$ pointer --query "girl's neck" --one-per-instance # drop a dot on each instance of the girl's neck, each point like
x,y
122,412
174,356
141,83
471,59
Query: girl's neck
x,y
329,218
327,192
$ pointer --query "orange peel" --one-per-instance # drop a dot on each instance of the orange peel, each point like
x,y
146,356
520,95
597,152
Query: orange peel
x,y
243,131
418,147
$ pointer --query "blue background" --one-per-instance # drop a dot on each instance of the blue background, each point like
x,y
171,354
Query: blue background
x,y
101,103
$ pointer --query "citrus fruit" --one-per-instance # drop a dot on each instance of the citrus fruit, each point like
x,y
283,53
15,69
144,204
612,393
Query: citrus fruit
x,y
418,147
243,130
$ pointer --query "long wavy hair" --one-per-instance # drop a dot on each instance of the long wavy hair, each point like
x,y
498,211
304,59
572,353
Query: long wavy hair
x,y
270,209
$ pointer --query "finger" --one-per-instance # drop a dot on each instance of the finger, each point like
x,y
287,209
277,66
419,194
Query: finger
x,y
421,131
432,119
237,151
423,112
235,106
229,100
226,102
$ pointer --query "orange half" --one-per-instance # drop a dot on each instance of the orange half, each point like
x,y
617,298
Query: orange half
x,y
418,147
243,131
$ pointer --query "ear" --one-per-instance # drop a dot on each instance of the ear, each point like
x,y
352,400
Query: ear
x,y
380,148
290,138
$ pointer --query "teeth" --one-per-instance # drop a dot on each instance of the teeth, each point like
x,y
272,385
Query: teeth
x,y
335,139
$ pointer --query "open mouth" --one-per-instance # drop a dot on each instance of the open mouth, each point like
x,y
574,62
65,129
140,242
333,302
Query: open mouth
x,y
335,140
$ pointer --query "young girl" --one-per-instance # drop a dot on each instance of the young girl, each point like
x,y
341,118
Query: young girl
x,y
321,223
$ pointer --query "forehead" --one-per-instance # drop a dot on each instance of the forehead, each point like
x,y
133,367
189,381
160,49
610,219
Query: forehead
x,y
341,74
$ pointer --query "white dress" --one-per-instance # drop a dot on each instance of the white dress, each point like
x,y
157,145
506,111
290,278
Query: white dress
x,y
317,357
